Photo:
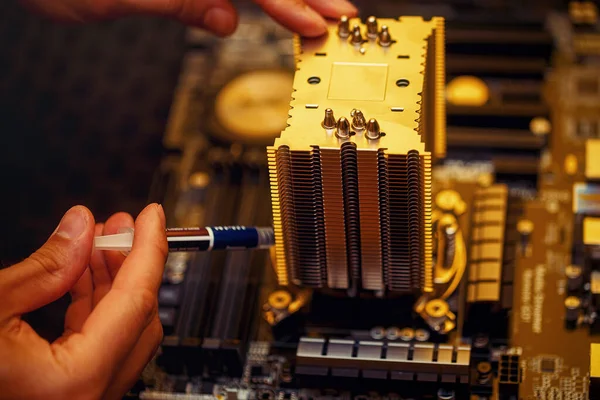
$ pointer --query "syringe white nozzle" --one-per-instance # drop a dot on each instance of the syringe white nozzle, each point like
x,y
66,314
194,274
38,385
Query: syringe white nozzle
x,y
118,242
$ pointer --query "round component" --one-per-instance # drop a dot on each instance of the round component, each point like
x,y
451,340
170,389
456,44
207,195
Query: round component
x,y
525,227
253,107
467,91
445,394
571,164
407,334
573,271
175,278
280,299
175,267
421,335
572,303
436,308
447,199
199,180
481,341
484,367
448,221
552,206
540,126
393,333
484,370
485,180
377,332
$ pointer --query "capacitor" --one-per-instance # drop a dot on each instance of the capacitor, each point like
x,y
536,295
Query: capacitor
x,y
481,341
484,372
422,335
572,305
407,334
392,333
385,39
574,275
377,333
525,228
446,394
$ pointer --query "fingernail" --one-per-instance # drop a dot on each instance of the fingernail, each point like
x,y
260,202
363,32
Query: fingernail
x,y
219,21
316,19
72,224
347,8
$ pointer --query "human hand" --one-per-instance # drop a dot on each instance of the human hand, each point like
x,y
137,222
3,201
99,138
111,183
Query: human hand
x,y
217,16
111,327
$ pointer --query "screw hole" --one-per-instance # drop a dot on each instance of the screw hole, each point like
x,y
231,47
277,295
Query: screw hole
x,y
382,134
352,133
314,80
401,82
404,56
320,54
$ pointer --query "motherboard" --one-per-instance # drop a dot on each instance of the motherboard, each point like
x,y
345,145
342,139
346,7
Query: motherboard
x,y
432,176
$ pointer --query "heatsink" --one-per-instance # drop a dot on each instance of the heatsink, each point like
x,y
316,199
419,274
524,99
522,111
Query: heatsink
x,y
352,195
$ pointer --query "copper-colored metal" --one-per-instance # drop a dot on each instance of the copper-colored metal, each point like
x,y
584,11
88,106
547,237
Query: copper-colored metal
x,y
373,131
487,244
385,39
329,120
356,37
353,210
372,27
343,27
358,120
333,206
343,128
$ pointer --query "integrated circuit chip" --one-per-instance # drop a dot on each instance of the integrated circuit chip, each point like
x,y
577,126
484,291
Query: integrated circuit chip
x,y
548,365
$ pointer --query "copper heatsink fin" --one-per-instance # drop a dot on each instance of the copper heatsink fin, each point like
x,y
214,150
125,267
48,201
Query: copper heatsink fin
x,y
304,220
352,208
333,207
370,228
349,166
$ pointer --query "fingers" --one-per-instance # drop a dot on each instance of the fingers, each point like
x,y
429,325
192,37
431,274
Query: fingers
x,y
88,292
101,278
81,303
217,16
113,225
52,270
118,320
333,8
144,266
295,15
141,355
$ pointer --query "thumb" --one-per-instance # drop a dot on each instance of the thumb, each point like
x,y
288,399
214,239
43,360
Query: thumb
x,y
51,271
